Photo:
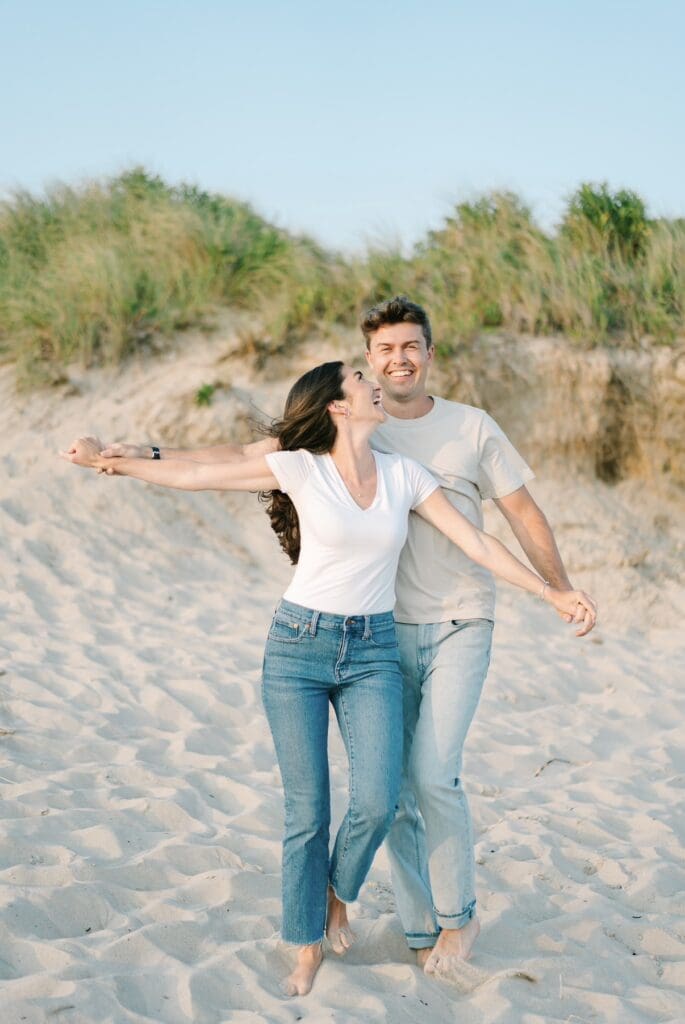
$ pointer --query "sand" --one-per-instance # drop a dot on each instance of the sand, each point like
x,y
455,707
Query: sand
x,y
139,795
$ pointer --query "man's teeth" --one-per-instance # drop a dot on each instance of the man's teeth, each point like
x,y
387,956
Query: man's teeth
x,y
401,373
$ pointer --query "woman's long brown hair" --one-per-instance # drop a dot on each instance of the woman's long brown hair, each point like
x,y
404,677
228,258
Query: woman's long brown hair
x,y
307,424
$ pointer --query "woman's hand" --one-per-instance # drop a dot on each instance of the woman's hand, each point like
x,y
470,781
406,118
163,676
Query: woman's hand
x,y
84,451
575,606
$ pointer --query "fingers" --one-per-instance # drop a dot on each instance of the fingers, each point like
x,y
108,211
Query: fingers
x,y
587,626
586,614
112,451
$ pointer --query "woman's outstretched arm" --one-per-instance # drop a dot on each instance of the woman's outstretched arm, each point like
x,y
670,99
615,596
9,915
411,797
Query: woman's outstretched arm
x,y
247,475
493,555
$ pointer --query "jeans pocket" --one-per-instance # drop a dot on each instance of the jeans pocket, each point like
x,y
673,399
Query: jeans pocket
x,y
288,631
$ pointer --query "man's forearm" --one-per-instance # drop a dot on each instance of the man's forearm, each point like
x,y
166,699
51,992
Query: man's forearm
x,y
215,453
535,536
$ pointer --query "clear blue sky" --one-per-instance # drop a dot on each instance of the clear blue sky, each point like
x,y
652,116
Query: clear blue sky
x,y
350,121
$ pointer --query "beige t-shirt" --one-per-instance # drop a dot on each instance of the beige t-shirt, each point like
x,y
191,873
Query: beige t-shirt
x,y
467,452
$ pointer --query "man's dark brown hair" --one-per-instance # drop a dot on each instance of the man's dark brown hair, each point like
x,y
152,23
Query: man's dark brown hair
x,y
398,310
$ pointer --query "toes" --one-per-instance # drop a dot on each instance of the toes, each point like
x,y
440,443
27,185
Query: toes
x,y
340,939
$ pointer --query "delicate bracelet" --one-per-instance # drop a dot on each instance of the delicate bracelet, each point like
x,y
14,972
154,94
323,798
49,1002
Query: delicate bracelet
x,y
545,583
155,452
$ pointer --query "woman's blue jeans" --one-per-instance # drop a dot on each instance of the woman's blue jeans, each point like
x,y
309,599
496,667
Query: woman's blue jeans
x,y
352,662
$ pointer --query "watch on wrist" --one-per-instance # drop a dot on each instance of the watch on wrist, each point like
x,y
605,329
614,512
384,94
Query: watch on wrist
x,y
155,452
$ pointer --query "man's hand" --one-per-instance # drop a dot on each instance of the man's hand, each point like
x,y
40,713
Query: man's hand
x,y
573,606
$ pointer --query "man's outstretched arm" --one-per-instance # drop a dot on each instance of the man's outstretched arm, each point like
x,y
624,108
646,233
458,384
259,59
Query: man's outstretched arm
x,y
533,532
214,453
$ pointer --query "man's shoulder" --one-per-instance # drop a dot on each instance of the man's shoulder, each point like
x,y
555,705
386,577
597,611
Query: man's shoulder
x,y
447,407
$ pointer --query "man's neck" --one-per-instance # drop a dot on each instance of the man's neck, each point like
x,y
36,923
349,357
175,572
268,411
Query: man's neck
x,y
413,409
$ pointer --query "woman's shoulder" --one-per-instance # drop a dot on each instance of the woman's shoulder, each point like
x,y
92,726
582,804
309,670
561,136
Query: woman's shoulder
x,y
394,460
402,467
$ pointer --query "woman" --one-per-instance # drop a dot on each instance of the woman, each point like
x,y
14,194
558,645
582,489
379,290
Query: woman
x,y
340,511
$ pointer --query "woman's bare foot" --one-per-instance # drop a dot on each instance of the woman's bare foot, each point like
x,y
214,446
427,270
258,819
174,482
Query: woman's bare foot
x,y
452,944
300,981
338,931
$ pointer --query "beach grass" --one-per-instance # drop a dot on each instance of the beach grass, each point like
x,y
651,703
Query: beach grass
x,y
95,271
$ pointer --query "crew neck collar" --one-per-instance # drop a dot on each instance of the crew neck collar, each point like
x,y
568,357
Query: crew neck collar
x,y
401,423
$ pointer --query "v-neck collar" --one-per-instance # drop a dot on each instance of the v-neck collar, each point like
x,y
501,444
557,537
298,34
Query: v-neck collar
x,y
346,489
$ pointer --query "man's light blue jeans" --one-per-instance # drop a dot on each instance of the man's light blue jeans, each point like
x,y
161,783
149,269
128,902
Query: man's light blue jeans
x,y
312,660
430,843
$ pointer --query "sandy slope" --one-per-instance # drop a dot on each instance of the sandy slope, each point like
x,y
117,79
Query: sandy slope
x,y
140,801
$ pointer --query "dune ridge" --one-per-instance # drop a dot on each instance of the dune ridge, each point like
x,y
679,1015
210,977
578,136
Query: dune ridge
x,y
139,795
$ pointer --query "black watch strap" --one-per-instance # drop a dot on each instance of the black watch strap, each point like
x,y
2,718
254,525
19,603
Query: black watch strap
x,y
155,452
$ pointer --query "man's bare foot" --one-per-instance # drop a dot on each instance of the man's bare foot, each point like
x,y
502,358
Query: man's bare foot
x,y
338,931
452,944
300,981
422,955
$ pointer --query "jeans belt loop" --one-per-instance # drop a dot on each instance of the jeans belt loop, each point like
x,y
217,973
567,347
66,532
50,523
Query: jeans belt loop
x,y
313,624
367,627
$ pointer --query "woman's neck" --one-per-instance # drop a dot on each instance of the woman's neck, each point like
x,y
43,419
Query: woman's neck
x,y
351,451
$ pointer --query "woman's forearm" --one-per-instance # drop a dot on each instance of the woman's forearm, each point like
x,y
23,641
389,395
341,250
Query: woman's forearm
x,y
165,473
249,475
493,555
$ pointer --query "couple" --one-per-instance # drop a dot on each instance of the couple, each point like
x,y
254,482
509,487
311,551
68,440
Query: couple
x,y
405,687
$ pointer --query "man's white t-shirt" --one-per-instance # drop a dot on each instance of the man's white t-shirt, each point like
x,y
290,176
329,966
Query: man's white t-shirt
x,y
473,459
348,555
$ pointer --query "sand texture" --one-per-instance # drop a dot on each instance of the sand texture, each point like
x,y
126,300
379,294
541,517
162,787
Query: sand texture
x,y
139,795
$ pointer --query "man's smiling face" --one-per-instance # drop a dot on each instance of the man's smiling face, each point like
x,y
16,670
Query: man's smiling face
x,y
399,357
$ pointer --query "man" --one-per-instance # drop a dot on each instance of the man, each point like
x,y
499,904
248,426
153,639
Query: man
x,y
445,612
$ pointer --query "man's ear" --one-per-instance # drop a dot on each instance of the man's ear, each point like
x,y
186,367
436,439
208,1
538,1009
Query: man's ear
x,y
368,356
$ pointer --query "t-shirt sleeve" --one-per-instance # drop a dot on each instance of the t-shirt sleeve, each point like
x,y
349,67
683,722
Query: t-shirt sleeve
x,y
291,469
421,482
501,469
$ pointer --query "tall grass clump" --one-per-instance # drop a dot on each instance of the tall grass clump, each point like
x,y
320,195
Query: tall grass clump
x,y
89,273
608,275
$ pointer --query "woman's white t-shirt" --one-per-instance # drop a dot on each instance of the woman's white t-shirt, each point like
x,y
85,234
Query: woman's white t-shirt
x,y
348,555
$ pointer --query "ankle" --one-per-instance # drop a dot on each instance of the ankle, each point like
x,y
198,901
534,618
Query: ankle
x,y
314,951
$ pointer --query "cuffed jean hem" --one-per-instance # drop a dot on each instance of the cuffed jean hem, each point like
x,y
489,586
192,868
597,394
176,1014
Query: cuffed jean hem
x,y
341,899
421,940
456,920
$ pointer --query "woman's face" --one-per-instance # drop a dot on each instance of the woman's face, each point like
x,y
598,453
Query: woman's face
x,y
361,396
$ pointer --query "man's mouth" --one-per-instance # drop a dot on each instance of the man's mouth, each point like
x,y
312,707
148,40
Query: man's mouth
x,y
398,374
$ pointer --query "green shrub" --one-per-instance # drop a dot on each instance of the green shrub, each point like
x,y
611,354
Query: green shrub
x,y
602,221
205,394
